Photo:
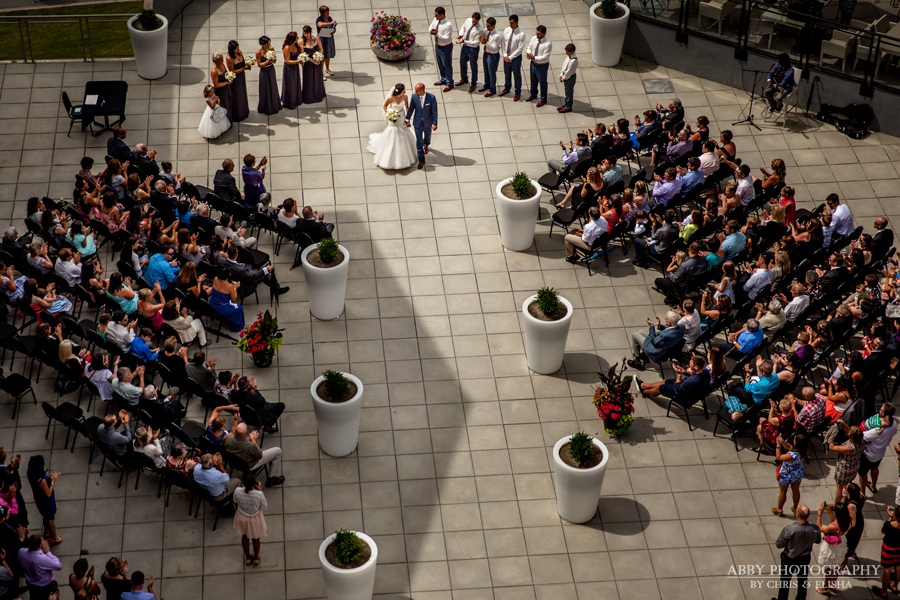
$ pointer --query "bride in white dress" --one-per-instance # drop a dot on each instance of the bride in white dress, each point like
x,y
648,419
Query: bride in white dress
x,y
395,147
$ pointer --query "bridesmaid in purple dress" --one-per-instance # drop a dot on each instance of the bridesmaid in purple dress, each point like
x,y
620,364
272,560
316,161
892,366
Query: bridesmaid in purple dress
x,y
222,85
291,96
240,106
269,102
313,77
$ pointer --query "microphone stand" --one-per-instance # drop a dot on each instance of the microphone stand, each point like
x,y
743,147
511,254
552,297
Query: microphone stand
x,y
749,107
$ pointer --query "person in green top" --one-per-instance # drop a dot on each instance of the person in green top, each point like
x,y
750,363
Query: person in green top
x,y
715,256
696,220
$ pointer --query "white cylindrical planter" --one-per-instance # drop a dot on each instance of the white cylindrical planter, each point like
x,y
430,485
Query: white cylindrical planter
x,y
338,422
607,37
518,218
578,490
326,288
151,48
349,584
545,341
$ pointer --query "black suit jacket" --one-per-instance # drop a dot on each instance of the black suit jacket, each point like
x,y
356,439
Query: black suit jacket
x,y
118,149
225,187
832,278
675,116
164,205
875,363
884,239
147,167
601,147
18,250
314,228
207,224
268,412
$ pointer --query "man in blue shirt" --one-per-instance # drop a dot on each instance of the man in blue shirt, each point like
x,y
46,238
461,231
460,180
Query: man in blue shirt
x,y
211,475
137,588
666,187
780,82
162,268
690,177
140,346
733,241
686,388
746,340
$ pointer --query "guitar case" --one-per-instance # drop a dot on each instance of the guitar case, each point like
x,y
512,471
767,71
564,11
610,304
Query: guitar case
x,y
852,120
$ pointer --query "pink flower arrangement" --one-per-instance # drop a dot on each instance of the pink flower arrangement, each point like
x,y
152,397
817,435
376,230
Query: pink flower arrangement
x,y
391,32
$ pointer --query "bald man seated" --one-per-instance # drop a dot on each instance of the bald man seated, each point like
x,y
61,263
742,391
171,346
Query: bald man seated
x,y
244,445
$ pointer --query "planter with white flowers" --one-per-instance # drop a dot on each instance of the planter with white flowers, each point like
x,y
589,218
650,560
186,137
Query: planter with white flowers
x,y
325,268
348,562
579,464
149,33
547,318
517,210
337,403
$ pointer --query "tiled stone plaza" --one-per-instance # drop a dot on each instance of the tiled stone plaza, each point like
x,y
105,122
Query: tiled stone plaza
x,y
451,477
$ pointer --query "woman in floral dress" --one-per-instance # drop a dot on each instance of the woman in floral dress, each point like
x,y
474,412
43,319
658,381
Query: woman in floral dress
x,y
790,470
849,453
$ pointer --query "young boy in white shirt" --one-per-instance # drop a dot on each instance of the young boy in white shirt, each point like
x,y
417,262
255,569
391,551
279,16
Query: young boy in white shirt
x,y
567,77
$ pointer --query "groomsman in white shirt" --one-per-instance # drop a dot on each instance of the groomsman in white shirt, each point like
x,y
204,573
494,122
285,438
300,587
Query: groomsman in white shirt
x,y
512,45
468,53
539,54
492,39
567,77
442,30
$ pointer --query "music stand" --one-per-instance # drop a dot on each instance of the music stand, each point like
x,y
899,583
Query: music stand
x,y
749,108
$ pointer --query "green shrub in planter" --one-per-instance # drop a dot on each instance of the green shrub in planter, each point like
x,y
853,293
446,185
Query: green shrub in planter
x,y
335,384
521,185
547,300
608,9
581,446
347,546
328,249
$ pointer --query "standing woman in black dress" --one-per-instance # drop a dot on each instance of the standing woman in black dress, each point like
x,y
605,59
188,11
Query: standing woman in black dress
x,y
313,78
269,102
240,106
325,21
222,85
291,96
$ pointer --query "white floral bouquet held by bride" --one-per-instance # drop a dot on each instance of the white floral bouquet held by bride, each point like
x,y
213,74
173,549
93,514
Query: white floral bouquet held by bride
x,y
318,56
303,58
270,56
392,113
230,75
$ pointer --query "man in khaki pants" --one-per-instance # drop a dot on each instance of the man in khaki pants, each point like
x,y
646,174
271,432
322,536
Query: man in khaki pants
x,y
583,238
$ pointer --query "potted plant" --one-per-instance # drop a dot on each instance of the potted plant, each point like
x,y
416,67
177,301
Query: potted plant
x,y
609,21
261,339
517,210
547,318
579,464
325,267
149,34
348,562
337,402
614,401
392,36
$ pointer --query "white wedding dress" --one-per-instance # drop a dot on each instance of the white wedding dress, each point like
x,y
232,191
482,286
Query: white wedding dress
x,y
214,122
395,146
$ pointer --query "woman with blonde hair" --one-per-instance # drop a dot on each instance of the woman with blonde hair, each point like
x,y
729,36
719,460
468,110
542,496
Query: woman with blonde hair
x,y
589,191
220,83
146,307
642,196
778,174
185,325
146,441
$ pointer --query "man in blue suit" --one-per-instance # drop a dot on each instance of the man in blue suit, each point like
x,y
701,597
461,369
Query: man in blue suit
x,y
655,345
116,146
423,114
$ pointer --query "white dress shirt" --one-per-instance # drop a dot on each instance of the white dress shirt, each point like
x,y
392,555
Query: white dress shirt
x,y
745,190
471,33
540,50
692,328
444,31
709,163
120,335
492,40
842,220
513,42
570,63
760,279
796,306
68,270
593,229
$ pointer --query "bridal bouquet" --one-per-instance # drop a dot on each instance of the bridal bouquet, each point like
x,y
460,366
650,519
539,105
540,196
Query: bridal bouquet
x,y
303,58
392,113
230,75
270,55
250,61
318,56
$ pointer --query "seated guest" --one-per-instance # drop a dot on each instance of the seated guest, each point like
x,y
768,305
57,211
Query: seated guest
x,y
732,240
674,112
250,275
223,298
244,445
677,146
140,346
82,238
313,224
589,190
760,278
146,441
215,427
691,224
15,245
715,256
688,386
116,146
253,179
247,394
719,308
226,383
187,327
754,390
174,358
166,411
787,367
772,318
120,330
655,345
178,460
744,184
184,215
203,371
288,213
836,274
601,141
108,434
123,384
97,370
87,163
878,360
745,340
39,258
692,270
164,201
584,238
797,304
571,155
211,476
224,231
173,178
841,218
145,160
666,187
884,238
663,234
68,266
841,321
265,206
137,588
709,160
643,130
611,172
224,184
692,177
162,268
839,395
690,318
203,221
146,306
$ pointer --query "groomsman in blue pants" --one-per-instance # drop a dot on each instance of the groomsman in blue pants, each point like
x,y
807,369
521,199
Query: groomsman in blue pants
x,y
512,45
468,52
442,30
539,54
492,39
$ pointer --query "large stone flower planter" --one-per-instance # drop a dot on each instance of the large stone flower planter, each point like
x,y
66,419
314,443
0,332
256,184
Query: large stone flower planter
x,y
338,422
578,490
518,218
545,341
393,55
607,36
151,48
349,584
326,287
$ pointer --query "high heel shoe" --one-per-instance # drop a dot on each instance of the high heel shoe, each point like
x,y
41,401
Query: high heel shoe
x,y
256,560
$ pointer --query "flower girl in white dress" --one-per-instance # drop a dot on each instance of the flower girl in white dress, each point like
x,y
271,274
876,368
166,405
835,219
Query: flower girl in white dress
x,y
395,146
215,120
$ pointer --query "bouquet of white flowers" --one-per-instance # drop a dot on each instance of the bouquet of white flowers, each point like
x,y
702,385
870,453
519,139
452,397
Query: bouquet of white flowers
x,y
230,75
270,55
392,113
318,56
303,58
250,61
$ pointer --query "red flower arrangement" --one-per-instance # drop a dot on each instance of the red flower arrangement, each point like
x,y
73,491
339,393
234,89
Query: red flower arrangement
x,y
614,401
392,32
261,339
